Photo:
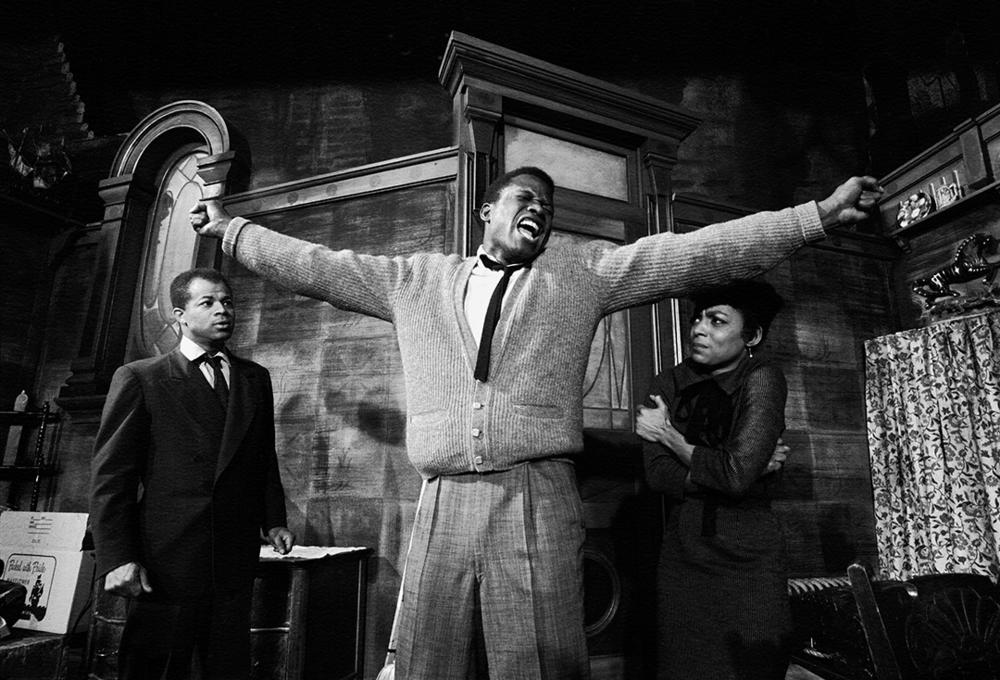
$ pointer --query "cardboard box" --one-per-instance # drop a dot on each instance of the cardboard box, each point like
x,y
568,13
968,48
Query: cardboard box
x,y
43,552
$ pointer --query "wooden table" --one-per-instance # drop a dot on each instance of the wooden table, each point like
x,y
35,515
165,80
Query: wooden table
x,y
308,616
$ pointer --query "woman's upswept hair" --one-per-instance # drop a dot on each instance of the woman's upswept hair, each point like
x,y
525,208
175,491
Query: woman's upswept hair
x,y
757,300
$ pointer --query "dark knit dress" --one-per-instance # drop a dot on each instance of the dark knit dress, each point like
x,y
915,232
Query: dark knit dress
x,y
722,604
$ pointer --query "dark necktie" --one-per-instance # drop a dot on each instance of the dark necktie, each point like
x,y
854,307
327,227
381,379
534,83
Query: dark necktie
x,y
492,315
220,387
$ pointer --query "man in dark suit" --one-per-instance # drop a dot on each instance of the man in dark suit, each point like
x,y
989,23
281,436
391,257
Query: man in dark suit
x,y
184,482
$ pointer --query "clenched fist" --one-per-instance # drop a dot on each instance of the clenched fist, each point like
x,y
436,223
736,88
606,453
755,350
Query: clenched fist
x,y
209,218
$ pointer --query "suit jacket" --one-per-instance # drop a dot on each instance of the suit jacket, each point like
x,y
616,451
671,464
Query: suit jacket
x,y
178,489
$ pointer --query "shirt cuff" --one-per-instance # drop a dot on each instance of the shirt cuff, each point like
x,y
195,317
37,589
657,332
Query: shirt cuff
x,y
812,227
233,230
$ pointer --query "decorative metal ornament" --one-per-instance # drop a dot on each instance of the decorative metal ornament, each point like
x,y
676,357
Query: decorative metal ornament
x,y
948,192
915,207
972,260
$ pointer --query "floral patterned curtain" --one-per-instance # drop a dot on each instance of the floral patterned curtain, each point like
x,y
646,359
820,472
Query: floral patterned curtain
x,y
933,401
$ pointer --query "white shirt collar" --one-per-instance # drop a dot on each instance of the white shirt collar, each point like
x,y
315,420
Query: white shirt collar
x,y
479,263
192,350
480,269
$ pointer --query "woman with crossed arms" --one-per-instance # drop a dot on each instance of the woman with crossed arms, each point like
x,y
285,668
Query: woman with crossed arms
x,y
712,425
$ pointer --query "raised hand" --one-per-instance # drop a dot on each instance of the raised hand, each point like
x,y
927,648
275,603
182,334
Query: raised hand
x,y
851,202
209,218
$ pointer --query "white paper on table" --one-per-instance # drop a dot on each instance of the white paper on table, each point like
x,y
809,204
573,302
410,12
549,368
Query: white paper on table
x,y
305,552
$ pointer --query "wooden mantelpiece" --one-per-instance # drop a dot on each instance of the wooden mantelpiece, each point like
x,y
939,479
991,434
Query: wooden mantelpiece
x,y
972,151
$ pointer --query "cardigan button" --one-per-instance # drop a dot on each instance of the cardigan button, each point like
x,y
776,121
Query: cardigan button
x,y
477,433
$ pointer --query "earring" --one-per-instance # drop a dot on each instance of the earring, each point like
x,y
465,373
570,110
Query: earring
x,y
750,351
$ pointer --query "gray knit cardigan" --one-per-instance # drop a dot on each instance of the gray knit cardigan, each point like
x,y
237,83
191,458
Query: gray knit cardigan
x,y
532,405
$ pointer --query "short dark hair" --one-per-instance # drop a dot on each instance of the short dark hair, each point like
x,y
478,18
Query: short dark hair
x,y
180,287
492,192
757,300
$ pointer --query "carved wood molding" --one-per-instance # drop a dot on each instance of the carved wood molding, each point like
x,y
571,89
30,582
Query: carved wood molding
x,y
185,114
128,194
470,62
492,86
439,165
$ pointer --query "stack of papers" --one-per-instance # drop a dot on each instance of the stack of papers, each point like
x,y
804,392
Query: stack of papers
x,y
304,552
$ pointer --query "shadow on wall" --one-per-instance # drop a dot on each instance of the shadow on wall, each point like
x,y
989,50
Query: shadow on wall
x,y
383,424
367,500
839,550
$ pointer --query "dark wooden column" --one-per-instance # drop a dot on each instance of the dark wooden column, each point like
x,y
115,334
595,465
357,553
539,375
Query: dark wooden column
x,y
119,252
478,115
659,160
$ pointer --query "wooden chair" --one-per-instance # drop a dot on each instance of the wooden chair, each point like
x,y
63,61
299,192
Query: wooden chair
x,y
880,647
953,630
932,627
830,642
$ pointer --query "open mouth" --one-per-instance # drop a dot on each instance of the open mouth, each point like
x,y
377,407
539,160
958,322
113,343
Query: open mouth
x,y
530,227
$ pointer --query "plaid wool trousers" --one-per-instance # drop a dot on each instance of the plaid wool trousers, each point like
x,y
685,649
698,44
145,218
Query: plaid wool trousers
x,y
496,564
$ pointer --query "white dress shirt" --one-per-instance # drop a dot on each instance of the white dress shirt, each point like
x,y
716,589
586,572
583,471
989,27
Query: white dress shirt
x,y
478,291
190,349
